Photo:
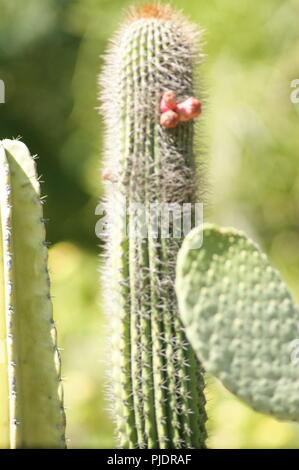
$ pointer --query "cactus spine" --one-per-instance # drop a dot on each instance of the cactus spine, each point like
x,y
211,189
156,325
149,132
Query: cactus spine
x,y
31,413
157,381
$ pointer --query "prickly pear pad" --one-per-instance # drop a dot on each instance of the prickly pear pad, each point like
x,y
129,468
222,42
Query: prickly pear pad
x,y
240,319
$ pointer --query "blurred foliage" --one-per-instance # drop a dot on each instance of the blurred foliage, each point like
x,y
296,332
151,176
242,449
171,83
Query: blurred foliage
x,y
49,60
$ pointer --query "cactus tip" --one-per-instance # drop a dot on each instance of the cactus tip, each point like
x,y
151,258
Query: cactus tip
x,y
153,10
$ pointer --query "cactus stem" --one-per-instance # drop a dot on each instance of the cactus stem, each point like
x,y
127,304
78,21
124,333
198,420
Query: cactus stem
x,y
32,415
156,394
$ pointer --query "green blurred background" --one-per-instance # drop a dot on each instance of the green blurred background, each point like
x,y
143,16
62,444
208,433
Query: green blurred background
x,y
49,60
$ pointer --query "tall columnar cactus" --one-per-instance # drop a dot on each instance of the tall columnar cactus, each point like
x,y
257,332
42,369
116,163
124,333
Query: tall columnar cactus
x,y
157,380
31,410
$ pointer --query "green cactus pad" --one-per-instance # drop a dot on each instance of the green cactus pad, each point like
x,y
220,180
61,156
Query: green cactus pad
x,y
240,319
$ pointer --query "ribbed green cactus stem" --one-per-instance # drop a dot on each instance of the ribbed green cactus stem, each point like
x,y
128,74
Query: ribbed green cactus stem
x,y
157,382
31,410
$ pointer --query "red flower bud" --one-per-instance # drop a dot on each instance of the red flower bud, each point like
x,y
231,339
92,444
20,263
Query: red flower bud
x,y
169,119
189,109
168,101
